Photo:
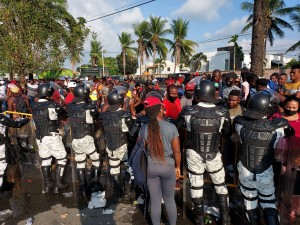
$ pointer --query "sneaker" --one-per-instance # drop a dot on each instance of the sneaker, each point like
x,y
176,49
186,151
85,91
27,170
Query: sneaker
x,y
96,203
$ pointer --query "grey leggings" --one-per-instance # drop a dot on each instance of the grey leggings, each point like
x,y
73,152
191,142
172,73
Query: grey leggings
x,y
161,182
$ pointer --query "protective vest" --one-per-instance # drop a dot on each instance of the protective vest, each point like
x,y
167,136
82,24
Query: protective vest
x,y
40,115
77,119
205,134
258,138
112,124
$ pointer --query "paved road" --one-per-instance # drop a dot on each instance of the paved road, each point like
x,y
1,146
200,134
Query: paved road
x,y
27,201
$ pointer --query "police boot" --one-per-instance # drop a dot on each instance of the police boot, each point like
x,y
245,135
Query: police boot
x,y
271,216
117,185
59,185
224,209
94,179
253,216
48,183
198,210
82,182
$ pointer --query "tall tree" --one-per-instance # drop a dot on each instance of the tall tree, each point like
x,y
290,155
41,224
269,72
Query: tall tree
x,y
258,28
33,35
126,41
96,50
296,20
273,23
237,51
157,30
141,30
181,46
75,41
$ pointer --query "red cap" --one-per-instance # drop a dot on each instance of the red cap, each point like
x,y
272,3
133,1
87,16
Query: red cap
x,y
152,101
190,86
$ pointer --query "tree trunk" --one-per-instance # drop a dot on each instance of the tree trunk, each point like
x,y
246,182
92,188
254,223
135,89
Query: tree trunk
x,y
154,57
258,30
124,63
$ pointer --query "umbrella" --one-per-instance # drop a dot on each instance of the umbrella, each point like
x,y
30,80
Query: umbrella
x,y
196,80
54,85
56,73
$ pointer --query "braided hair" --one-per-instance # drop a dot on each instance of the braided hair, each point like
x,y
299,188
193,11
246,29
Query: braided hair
x,y
154,140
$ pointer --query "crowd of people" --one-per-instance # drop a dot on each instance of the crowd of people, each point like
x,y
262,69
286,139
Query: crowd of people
x,y
218,123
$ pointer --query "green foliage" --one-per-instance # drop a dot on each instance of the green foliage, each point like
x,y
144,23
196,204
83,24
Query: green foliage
x,y
112,64
296,20
291,63
196,61
274,23
35,35
96,50
131,64
181,48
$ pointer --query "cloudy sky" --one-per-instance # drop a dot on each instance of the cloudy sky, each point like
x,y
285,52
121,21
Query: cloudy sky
x,y
209,19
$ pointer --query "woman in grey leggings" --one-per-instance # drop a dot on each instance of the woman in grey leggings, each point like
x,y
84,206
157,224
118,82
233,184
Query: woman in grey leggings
x,y
162,140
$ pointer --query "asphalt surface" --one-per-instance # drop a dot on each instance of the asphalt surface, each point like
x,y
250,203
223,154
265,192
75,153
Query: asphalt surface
x,y
27,203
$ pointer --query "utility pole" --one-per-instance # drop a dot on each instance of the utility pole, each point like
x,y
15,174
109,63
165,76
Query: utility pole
x,y
102,63
233,57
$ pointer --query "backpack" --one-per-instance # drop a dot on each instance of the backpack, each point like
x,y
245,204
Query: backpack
x,y
138,160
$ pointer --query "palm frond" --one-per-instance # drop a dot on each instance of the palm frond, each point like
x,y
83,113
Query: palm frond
x,y
294,47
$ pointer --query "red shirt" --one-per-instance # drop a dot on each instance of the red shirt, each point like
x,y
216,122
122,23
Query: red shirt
x,y
69,98
172,108
295,123
56,97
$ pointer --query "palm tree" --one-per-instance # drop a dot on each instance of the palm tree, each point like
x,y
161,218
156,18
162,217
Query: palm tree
x,y
160,64
96,49
141,30
196,61
181,46
274,24
157,32
238,55
125,41
296,20
75,42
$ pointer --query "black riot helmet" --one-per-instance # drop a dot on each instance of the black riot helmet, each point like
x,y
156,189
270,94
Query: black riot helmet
x,y
205,90
259,105
115,98
45,90
81,91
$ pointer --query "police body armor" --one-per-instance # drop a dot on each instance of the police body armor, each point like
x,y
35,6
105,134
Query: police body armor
x,y
112,124
258,138
40,114
205,134
77,118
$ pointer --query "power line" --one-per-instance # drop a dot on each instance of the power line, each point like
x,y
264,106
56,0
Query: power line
x,y
110,14
125,6
229,36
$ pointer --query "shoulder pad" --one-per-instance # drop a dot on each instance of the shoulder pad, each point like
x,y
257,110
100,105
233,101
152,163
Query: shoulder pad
x,y
242,120
126,115
188,110
279,122
222,111
88,106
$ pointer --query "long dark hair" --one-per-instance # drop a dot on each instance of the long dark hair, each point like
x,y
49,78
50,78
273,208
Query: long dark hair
x,y
154,140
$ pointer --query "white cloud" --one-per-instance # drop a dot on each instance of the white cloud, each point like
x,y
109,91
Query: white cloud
x,y
204,10
234,27
126,19
107,28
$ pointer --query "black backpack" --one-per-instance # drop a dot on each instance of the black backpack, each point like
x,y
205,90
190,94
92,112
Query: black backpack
x,y
138,160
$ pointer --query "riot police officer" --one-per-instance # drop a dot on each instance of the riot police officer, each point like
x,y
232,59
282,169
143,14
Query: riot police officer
x,y
258,136
6,122
80,116
206,123
116,123
46,114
